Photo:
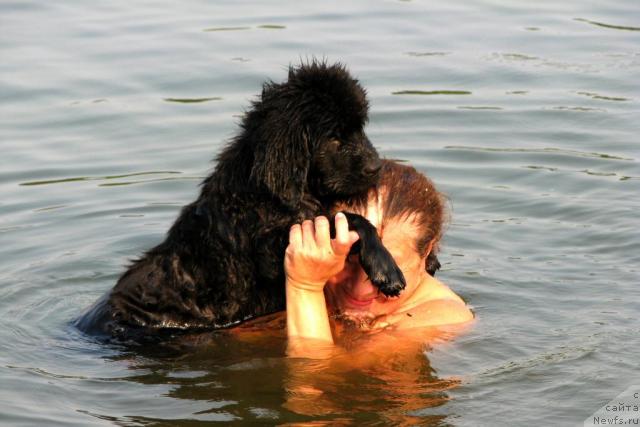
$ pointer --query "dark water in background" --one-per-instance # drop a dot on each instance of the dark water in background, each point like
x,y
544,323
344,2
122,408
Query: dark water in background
x,y
527,117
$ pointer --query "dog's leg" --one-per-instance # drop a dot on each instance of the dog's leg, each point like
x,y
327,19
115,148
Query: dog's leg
x,y
375,259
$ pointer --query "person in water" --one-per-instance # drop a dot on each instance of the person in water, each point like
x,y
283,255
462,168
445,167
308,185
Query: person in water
x,y
325,285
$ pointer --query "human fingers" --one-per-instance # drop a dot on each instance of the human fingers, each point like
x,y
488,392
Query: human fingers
x,y
295,235
344,239
323,238
308,234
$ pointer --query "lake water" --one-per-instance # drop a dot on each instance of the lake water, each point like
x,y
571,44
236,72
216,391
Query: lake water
x,y
525,113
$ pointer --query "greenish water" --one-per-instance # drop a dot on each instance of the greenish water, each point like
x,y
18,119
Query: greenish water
x,y
524,113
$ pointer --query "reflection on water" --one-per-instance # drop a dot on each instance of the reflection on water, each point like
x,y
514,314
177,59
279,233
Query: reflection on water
x,y
602,97
264,27
615,27
428,53
479,107
193,100
540,150
96,178
431,92
365,384
227,29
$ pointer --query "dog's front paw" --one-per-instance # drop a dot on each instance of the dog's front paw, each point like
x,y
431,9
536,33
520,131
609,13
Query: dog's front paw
x,y
375,259
382,270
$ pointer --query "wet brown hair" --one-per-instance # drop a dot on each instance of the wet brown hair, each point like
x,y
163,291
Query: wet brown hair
x,y
405,193
409,193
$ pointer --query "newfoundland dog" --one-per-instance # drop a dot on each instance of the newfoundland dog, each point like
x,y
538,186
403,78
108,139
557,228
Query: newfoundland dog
x,y
301,149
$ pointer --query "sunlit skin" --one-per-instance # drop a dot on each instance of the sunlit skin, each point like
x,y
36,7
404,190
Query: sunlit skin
x,y
320,281
425,301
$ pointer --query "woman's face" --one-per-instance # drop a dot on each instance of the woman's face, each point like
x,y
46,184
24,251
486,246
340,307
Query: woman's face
x,y
350,292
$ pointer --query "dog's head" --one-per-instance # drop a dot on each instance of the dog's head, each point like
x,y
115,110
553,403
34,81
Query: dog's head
x,y
311,135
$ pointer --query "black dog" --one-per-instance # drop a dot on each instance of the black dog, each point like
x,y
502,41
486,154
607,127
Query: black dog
x,y
301,149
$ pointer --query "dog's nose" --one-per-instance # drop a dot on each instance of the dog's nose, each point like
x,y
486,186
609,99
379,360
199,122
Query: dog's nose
x,y
372,168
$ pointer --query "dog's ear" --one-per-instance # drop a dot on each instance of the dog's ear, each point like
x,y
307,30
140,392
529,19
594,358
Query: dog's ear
x,y
281,162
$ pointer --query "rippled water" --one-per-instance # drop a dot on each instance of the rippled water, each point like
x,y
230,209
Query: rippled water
x,y
525,114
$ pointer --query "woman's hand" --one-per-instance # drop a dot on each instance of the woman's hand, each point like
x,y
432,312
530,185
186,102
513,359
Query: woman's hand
x,y
312,257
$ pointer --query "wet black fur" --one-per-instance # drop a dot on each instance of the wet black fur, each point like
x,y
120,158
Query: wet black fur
x,y
301,148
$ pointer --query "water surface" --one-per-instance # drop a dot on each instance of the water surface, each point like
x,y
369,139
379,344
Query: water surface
x,y
525,114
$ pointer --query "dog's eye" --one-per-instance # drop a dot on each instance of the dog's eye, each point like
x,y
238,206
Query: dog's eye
x,y
335,144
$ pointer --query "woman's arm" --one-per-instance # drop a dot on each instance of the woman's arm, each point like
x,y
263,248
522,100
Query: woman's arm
x,y
311,258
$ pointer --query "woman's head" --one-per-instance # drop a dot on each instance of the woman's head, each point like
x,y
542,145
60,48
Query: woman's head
x,y
404,194
408,212
409,195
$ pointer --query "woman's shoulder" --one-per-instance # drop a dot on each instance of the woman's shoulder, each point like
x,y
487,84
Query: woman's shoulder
x,y
434,304
445,311
434,313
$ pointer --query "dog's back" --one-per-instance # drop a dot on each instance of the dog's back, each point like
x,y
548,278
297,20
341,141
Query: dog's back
x,y
302,146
